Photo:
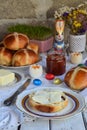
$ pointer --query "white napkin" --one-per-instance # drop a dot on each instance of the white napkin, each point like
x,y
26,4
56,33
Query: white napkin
x,y
8,118
4,117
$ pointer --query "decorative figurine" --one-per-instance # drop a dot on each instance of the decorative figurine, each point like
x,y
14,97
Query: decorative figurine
x,y
59,37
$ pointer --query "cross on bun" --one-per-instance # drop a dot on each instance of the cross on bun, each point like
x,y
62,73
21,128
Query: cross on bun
x,y
48,101
76,78
5,56
24,57
15,41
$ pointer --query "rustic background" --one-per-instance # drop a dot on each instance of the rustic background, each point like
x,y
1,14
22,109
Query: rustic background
x,y
30,12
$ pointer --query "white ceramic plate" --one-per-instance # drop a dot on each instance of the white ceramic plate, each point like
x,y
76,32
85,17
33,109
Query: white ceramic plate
x,y
12,67
18,78
75,105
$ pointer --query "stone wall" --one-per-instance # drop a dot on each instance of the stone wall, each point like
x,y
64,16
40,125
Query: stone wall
x,y
30,11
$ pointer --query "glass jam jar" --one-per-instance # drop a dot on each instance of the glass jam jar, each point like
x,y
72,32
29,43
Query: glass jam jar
x,y
56,63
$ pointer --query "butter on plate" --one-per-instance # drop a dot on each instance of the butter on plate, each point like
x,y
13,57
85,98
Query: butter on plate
x,y
48,98
6,77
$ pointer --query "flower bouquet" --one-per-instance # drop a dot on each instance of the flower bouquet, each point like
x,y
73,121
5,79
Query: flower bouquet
x,y
75,18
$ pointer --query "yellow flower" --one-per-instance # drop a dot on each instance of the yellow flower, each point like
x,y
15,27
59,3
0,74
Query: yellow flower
x,y
75,22
78,25
70,15
74,17
82,11
74,13
74,31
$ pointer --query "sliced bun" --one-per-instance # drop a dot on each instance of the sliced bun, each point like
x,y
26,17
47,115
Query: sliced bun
x,y
5,56
48,101
24,57
15,41
76,78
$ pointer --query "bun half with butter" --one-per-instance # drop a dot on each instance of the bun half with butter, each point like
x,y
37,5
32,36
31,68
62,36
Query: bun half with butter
x,y
48,101
15,41
76,78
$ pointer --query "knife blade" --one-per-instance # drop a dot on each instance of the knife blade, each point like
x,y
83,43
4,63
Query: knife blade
x,y
12,98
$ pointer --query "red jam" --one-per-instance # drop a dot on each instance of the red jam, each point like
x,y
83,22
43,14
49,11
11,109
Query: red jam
x,y
56,64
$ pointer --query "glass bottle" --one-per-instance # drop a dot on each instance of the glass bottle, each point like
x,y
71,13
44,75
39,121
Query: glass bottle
x,y
56,63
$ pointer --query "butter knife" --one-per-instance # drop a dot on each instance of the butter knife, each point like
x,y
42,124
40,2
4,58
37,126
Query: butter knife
x,y
11,99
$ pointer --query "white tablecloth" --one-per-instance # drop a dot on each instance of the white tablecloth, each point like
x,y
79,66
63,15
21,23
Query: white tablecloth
x,y
6,92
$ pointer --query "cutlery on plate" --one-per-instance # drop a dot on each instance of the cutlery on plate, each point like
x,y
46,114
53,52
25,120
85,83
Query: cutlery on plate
x,y
11,99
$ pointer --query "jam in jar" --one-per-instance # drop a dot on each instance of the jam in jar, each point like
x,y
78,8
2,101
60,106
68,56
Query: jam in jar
x,y
56,64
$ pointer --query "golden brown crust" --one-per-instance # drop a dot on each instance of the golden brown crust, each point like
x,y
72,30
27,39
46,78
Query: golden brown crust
x,y
15,41
76,78
5,56
34,47
49,108
24,57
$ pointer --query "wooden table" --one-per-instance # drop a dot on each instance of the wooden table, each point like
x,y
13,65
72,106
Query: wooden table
x,y
76,122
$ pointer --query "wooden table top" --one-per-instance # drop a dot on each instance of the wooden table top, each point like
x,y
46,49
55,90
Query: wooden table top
x,y
76,122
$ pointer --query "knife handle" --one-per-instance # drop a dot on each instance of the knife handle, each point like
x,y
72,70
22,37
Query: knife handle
x,y
12,98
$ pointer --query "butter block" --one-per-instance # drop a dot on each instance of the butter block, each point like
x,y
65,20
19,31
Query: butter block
x,y
6,77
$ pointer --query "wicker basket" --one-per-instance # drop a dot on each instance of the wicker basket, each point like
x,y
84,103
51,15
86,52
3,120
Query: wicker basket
x,y
77,43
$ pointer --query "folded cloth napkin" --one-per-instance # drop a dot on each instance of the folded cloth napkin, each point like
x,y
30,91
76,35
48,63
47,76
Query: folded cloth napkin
x,y
4,117
8,118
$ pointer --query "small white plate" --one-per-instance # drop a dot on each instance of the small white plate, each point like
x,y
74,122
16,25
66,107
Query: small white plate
x,y
75,105
7,90
19,76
